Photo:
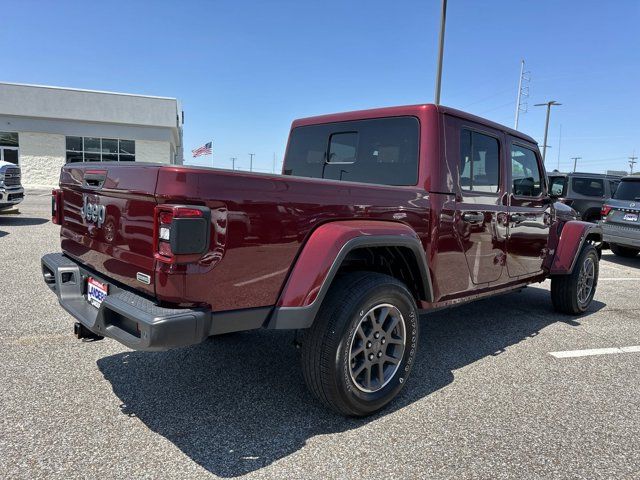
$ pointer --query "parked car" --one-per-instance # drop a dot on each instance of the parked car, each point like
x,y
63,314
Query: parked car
x,y
584,192
11,191
620,218
380,215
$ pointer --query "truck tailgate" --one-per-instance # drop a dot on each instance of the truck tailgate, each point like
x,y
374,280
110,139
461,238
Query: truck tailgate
x,y
108,215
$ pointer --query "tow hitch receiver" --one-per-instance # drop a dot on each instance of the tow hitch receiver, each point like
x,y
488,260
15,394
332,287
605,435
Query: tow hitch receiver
x,y
82,332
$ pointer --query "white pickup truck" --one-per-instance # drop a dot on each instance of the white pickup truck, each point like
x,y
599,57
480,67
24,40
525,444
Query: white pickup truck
x,y
11,191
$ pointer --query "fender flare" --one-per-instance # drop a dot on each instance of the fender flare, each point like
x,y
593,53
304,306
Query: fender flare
x,y
321,257
569,245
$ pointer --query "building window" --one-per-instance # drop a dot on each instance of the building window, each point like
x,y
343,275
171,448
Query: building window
x,y
93,149
9,147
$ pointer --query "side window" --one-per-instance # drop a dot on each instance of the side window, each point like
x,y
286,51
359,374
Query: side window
x,y
589,187
525,172
479,162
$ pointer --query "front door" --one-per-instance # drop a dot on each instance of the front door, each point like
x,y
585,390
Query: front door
x,y
479,206
529,211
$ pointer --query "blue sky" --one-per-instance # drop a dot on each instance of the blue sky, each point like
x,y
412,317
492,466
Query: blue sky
x,y
244,70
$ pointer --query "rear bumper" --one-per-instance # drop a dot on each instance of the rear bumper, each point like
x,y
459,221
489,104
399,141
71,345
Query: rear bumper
x,y
130,318
621,235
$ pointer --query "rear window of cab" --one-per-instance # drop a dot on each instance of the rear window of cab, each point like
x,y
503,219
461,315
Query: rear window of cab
x,y
381,151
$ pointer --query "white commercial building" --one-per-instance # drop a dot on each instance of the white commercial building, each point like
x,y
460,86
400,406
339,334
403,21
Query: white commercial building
x,y
42,128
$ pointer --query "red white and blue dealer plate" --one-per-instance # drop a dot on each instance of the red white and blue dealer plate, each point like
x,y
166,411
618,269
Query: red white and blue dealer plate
x,y
96,292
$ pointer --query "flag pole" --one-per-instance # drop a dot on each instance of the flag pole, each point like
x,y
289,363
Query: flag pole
x,y
212,154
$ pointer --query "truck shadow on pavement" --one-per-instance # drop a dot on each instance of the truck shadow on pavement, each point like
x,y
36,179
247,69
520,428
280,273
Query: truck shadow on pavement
x,y
238,403
622,261
11,220
21,221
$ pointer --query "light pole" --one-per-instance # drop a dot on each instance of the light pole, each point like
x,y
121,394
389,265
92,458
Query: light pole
x,y
233,163
443,18
546,127
575,163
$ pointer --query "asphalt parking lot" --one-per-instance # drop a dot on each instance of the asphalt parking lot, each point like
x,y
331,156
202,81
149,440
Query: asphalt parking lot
x,y
486,398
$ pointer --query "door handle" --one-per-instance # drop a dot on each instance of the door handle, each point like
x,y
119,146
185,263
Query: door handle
x,y
474,217
518,217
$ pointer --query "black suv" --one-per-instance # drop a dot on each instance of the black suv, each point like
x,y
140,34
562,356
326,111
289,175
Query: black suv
x,y
584,192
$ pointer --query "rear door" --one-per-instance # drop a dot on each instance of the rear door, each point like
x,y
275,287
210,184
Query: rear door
x,y
108,219
529,210
479,201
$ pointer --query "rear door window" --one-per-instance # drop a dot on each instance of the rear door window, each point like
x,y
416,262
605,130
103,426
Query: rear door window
x,y
589,187
383,151
479,162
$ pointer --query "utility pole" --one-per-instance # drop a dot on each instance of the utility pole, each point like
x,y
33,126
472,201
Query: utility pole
x,y
233,163
632,162
575,162
523,91
443,18
274,162
251,161
549,104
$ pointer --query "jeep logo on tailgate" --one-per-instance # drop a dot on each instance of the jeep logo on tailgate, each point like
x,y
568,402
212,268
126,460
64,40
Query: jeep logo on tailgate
x,y
92,212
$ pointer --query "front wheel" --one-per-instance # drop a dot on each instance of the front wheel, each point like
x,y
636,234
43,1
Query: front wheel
x,y
358,354
573,293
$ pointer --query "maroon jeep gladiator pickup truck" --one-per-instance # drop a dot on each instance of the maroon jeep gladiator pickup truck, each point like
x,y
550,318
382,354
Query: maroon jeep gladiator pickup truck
x,y
379,216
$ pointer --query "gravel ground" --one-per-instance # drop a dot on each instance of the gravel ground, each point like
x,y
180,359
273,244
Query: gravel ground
x,y
485,400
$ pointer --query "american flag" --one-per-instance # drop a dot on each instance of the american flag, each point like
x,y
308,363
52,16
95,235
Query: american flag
x,y
203,150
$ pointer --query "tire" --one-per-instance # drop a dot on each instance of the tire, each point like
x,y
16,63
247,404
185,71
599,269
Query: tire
x,y
592,216
567,294
343,326
621,251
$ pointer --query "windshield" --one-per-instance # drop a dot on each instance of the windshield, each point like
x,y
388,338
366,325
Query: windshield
x,y
557,186
628,190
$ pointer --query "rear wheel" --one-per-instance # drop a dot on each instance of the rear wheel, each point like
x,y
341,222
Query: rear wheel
x,y
623,251
573,293
359,352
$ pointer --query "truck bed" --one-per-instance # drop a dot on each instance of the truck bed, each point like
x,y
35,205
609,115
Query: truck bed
x,y
258,225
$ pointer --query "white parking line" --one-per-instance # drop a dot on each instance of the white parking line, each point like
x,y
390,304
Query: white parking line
x,y
618,279
595,351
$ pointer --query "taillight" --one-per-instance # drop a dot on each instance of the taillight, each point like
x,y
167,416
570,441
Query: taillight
x,y
56,206
181,233
605,210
